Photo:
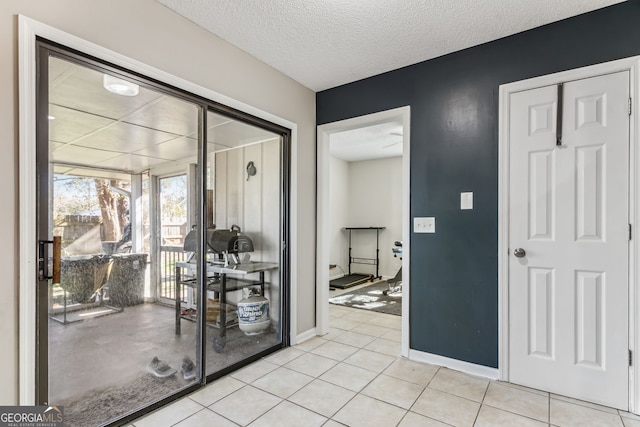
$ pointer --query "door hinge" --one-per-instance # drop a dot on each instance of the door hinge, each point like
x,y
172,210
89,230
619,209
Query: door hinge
x,y
630,103
630,358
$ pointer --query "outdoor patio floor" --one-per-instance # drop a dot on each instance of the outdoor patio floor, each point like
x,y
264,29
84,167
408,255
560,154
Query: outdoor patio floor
x,y
100,361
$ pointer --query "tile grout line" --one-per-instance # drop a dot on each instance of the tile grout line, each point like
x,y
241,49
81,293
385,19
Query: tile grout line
x,y
484,396
356,393
315,378
516,413
548,422
378,374
287,398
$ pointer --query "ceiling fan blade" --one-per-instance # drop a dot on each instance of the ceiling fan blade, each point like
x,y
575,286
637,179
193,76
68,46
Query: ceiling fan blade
x,y
392,144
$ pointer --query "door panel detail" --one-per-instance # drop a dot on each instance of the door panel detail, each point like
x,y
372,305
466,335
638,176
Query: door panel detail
x,y
541,294
590,184
591,110
589,318
541,194
541,118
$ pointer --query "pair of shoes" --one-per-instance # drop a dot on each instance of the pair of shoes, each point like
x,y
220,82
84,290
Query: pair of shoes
x,y
188,368
189,312
160,369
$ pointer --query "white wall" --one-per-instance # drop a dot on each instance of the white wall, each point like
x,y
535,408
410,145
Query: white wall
x,y
339,208
375,199
366,194
253,204
148,32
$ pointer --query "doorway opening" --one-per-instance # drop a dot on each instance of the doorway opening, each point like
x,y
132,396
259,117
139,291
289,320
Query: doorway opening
x,y
363,218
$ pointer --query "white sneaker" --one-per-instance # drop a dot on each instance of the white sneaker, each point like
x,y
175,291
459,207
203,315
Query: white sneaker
x,y
160,369
188,368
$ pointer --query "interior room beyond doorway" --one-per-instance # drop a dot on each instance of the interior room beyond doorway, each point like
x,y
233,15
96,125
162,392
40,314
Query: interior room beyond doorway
x,y
363,183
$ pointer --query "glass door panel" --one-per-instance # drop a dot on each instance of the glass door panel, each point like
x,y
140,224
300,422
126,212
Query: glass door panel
x,y
244,215
112,345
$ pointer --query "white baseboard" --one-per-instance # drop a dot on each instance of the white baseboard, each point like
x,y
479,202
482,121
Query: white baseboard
x,y
458,365
300,338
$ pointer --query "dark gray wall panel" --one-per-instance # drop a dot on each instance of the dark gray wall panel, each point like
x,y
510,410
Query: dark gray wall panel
x,y
454,148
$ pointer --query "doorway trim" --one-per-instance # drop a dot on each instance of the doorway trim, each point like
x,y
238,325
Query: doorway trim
x,y
28,31
403,115
628,64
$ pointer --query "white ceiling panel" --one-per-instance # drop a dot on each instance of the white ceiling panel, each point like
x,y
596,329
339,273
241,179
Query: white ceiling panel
x,y
57,69
175,149
62,169
215,119
94,127
235,134
68,125
79,88
74,155
90,173
53,146
130,162
169,114
124,138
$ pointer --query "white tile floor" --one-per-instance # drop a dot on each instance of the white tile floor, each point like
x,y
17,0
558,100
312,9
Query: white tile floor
x,y
354,376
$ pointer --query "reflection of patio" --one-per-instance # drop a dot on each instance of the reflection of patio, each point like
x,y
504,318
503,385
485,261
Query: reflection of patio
x,y
100,356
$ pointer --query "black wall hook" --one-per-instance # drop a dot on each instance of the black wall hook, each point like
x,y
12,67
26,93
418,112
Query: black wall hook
x,y
251,170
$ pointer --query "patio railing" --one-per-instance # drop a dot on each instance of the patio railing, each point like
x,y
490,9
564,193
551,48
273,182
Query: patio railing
x,y
169,255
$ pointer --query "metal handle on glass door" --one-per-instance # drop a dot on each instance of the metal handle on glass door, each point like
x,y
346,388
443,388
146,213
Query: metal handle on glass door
x,y
43,264
57,257
519,253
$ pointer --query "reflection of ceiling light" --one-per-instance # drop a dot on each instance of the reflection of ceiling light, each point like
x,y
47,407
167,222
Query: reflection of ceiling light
x,y
51,117
119,86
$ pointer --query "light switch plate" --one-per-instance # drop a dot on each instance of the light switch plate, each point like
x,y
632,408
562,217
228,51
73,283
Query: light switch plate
x,y
424,224
466,200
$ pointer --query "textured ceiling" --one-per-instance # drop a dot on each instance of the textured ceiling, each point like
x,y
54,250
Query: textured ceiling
x,y
327,43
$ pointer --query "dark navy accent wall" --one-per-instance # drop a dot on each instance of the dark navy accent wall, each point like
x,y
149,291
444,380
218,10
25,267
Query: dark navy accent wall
x,y
454,148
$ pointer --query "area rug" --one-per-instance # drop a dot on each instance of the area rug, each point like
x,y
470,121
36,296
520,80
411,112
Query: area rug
x,y
372,298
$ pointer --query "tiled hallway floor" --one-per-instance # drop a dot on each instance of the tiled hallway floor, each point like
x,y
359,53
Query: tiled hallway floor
x,y
354,376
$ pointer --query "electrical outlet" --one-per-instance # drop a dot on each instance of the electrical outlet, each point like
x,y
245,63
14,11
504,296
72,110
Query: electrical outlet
x,y
424,224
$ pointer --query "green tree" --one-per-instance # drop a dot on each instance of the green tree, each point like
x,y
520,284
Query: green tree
x,y
74,195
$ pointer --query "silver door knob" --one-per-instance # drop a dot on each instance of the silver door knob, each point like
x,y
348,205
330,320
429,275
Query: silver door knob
x,y
519,253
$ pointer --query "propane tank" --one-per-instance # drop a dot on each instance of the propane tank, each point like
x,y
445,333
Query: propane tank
x,y
253,314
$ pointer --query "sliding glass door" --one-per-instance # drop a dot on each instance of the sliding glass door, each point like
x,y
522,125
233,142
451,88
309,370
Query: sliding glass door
x,y
244,242
163,228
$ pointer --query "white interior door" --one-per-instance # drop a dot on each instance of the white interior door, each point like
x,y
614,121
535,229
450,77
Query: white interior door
x,y
568,213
